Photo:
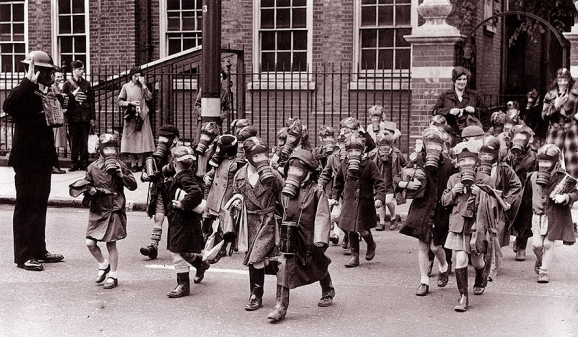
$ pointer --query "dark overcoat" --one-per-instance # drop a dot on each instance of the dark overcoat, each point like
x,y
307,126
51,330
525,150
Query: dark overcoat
x,y
359,195
185,234
449,100
523,166
427,215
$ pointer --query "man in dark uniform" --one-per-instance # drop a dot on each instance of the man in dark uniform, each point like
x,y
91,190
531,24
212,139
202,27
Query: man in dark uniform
x,y
32,157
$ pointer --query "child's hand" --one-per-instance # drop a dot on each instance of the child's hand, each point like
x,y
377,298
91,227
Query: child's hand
x,y
320,244
475,189
413,185
458,188
378,203
236,204
177,204
560,198
207,180
332,202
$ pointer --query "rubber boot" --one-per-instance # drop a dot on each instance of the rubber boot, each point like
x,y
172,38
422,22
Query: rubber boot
x,y
354,244
183,286
480,282
256,282
462,280
207,228
282,303
196,260
371,245
521,244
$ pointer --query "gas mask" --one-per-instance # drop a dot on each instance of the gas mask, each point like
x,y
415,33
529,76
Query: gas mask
x,y
384,153
110,155
467,165
209,132
546,165
163,147
297,173
151,167
226,148
256,152
354,161
328,144
487,156
520,143
433,152
294,132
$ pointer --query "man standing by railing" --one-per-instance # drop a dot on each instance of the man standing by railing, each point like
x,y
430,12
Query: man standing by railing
x,y
80,116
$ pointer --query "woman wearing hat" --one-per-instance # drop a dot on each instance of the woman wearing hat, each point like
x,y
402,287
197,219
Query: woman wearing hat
x,y
137,134
460,105
559,111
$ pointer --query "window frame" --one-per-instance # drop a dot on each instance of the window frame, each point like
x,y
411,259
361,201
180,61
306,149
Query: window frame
x,y
18,69
163,30
279,75
388,72
56,54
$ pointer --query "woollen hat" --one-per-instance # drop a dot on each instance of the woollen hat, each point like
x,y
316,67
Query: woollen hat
x,y
472,131
168,131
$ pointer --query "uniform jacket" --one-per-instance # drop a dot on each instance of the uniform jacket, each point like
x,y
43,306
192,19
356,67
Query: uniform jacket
x,y
427,214
103,206
261,203
310,208
221,188
33,142
359,195
185,234
83,112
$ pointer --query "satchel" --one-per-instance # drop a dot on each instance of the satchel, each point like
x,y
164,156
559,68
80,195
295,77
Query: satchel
x,y
92,141
414,173
52,110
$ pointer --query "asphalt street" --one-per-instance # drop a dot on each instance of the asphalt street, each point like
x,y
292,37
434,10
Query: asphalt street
x,y
375,299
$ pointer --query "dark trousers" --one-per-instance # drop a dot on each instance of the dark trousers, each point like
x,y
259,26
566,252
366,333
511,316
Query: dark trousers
x,y
29,221
78,133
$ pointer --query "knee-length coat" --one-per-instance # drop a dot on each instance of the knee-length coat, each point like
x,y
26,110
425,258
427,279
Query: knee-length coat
x,y
185,234
261,203
359,195
311,210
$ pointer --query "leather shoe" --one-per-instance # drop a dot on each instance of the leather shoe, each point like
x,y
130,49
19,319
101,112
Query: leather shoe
x,y
32,265
380,227
110,283
150,251
58,170
325,301
422,290
254,303
443,279
51,258
200,274
102,274
543,278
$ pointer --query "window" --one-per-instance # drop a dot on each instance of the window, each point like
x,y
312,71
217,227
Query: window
x,y
183,26
12,36
382,25
72,31
284,37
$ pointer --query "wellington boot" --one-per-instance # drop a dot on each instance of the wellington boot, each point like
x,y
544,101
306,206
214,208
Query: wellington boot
x,y
371,245
521,255
282,303
183,288
479,283
462,281
354,243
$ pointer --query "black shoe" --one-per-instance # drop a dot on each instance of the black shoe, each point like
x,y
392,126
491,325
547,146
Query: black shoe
x,y
254,303
102,274
73,169
151,251
325,301
50,258
58,170
422,290
380,227
443,279
110,283
200,274
32,265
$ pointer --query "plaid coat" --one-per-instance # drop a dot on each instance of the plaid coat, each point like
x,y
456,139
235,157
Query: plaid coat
x,y
563,127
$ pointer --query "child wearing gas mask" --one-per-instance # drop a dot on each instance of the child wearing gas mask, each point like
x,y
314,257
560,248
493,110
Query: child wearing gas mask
x,y
168,138
523,159
219,183
107,218
205,149
184,239
289,138
389,161
376,117
551,202
328,144
460,198
428,219
360,184
257,191
304,233
496,218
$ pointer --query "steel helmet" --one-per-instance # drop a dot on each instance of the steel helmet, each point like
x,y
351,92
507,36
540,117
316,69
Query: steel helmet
x,y
41,59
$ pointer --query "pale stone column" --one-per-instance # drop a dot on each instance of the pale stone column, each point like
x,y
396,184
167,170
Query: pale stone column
x,y
433,59
572,36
